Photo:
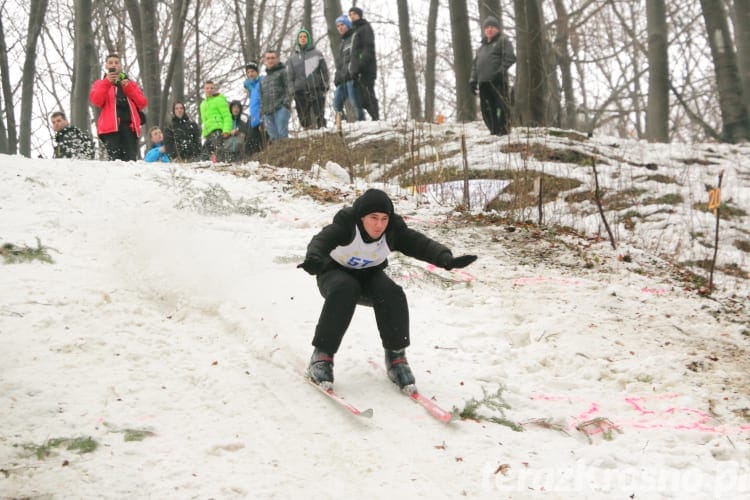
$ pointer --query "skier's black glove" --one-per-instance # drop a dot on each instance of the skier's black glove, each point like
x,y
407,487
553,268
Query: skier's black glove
x,y
474,87
311,265
447,261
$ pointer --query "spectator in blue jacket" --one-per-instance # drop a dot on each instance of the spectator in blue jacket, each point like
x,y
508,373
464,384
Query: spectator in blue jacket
x,y
257,138
157,152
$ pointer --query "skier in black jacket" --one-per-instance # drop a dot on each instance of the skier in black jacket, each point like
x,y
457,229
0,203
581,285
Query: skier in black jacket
x,y
348,257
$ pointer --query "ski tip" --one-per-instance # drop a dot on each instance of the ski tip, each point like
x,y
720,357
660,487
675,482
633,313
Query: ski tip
x,y
366,413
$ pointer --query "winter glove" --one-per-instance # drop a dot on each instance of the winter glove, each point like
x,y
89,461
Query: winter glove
x,y
447,261
311,265
474,87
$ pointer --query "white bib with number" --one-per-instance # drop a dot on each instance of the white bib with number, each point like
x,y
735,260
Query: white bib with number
x,y
360,255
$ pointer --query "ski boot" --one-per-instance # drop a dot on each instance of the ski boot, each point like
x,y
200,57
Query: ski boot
x,y
398,369
320,369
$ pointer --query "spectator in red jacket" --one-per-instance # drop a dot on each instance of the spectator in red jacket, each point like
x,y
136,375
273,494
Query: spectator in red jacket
x,y
120,102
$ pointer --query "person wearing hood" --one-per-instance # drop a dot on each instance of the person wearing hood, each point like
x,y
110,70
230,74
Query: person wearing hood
x,y
489,76
235,144
182,139
348,258
308,77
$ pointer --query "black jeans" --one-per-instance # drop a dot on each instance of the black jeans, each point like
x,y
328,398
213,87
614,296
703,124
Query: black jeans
x,y
493,102
343,290
121,145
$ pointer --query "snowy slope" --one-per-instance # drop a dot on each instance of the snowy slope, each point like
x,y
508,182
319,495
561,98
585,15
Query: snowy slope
x,y
173,326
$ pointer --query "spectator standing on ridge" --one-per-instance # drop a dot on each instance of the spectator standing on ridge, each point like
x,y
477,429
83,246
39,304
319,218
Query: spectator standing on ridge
x,y
345,90
183,138
308,77
489,76
70,141
215,120
363,66
348,258
121,103
257,139
274,97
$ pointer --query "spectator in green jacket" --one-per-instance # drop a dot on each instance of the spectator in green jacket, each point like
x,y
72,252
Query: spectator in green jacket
x,y
216,121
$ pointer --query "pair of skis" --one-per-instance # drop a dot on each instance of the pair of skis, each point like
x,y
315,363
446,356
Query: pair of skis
x,y
410,390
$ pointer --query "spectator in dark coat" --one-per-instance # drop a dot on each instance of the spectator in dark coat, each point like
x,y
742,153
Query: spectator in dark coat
x,y
489,76
70,141
345,89
363,66
182,139
235,146
308,77
274,97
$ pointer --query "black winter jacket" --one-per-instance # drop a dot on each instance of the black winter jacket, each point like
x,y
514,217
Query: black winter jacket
x,y
183,139
399,237
72,142
363,63
493,59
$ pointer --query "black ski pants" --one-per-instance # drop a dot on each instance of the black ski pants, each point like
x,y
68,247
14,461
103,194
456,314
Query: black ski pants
x,y
343,290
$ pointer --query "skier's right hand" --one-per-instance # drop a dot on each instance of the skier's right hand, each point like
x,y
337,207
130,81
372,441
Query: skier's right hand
x,y
311,265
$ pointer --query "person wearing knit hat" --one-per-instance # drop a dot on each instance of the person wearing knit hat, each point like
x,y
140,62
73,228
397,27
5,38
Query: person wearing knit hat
x,y
363,65
348,257
344,19
489,76
343,79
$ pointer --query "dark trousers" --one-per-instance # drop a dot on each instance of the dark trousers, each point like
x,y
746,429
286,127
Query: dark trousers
x,y
257,140
493,102
121,145
212,144
343,290
365,87
311,109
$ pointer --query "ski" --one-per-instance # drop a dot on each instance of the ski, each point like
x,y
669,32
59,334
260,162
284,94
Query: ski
x,y
327,389
432,408
428,404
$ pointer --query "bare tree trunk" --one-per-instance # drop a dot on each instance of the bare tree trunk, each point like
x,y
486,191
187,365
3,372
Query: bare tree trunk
x,y
37,12
8,137
332,10
657,113
307,18
466,106
569,118
531,83
734,116
742,35
176,71
430,58
490,8
175,68
82,65
407,56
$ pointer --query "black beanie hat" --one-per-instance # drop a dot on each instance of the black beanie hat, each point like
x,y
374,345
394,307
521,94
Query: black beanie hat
x,y
251,65
491,21
358,11
371,201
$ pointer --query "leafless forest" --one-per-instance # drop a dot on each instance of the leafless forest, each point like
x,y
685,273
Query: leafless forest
x,y
663,71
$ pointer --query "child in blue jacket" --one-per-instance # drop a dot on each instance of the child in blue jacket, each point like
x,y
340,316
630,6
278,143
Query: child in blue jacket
x,y
157,152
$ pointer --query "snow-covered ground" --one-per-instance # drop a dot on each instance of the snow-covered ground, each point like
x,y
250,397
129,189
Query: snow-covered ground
x,y
173,327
